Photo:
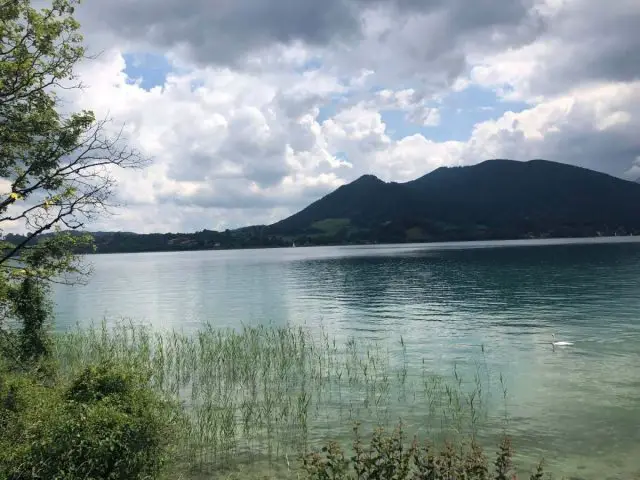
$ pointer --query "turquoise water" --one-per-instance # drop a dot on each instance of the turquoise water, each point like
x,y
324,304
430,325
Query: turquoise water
x,y
495,304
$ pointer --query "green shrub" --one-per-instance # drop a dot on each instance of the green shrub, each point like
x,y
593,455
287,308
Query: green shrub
x,y
102,381
388,457
26,406
108,424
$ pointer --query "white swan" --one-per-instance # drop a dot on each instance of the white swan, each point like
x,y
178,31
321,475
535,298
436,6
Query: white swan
x,y
560,343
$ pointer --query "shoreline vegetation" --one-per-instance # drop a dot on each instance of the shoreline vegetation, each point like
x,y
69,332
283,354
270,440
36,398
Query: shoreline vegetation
x,y
125,242
258,391
271,398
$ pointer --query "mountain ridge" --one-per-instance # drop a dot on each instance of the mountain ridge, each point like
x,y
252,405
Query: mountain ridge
x,y
491,200
496,198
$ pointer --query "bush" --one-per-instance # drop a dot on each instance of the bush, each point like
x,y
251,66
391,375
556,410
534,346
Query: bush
x,y
108,424
104,381
389,458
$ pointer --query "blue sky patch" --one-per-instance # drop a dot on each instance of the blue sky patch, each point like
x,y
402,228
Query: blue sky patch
x,y
310,65
459,113
327,111
150,68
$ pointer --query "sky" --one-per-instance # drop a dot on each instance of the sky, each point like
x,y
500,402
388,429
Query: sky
x,y
251,109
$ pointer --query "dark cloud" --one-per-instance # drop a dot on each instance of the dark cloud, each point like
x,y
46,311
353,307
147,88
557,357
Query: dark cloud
x,y
223,31
240,156
193,167
594,41
612,152
480,14
609,152
429,49
589,39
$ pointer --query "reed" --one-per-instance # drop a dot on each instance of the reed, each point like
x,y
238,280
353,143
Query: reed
x,y
265,393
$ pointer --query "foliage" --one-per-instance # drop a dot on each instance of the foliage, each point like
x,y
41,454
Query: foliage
x,y
388,457
107,424
98,382
55,166
56,172
331,226
269,392
32,307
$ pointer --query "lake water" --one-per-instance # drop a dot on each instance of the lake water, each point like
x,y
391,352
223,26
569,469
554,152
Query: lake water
x,y
497,303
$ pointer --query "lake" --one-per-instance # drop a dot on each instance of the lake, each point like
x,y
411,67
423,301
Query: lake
x,y
495,304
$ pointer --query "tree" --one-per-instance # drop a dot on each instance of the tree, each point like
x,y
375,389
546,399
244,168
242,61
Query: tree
x,y
56,168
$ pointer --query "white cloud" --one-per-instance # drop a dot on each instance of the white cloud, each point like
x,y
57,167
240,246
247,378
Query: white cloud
x,y
414,155
595,127
238,134
416,106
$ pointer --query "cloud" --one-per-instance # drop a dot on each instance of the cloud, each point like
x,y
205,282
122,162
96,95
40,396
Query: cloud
x,y
594,127
584,42
219,139
600,43
415,105
266,106
226,31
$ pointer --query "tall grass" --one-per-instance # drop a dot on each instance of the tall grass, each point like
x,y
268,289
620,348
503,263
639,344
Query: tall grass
x,y
272,393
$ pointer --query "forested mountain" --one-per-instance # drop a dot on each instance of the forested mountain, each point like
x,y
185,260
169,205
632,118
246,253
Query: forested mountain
x,y
495,199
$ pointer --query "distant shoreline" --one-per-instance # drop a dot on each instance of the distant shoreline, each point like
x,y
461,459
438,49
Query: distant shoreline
x,y
507,242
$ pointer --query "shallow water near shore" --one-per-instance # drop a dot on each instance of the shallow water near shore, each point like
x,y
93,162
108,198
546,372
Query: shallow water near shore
x,y
492,306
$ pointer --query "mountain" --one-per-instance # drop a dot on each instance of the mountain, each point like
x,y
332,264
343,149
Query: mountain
x,y
364,203
495,199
